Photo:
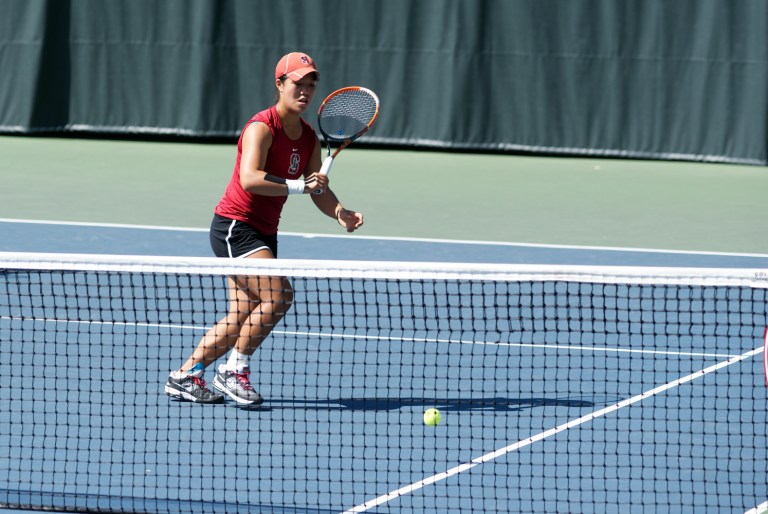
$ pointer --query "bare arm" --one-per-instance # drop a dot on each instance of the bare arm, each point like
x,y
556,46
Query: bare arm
x,y
254,179
327,202
256,142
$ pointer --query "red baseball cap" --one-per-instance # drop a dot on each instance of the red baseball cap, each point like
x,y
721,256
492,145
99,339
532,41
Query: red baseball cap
x,y
296,66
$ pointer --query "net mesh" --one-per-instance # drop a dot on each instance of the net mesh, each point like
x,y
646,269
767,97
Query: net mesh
x,y
345,114
566,389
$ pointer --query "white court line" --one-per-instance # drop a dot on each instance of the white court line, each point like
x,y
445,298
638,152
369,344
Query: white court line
x,y
408,239
102,225
732,359
760,509
493,343
330,335
544,435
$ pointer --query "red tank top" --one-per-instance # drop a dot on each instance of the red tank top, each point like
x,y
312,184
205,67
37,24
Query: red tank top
x,y
286,158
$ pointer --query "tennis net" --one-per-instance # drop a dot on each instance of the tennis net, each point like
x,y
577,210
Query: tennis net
x,y
567,389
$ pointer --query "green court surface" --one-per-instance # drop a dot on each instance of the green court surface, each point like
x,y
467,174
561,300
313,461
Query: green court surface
x,y
405,193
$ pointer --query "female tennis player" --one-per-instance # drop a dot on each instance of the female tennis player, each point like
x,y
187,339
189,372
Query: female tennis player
x,y
278,154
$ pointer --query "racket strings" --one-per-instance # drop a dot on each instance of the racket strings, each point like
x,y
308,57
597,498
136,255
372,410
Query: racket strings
x,y
348,113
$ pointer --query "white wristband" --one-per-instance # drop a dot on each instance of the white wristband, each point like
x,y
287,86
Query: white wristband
x,y
295,187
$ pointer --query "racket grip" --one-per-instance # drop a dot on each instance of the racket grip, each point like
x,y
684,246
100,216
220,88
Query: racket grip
x,y
325,169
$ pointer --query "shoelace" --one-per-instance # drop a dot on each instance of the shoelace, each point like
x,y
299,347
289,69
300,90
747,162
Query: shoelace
x,y
245,383
199,381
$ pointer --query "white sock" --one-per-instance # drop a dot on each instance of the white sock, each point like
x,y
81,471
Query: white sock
x,y
197,370
237,361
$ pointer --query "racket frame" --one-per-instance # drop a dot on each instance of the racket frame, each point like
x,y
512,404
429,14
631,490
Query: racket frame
x,y
345,142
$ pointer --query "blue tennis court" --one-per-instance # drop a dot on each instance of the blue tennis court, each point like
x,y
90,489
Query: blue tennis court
x,y
561,248
551,394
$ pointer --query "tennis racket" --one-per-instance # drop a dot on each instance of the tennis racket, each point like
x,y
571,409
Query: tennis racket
x,y
345,115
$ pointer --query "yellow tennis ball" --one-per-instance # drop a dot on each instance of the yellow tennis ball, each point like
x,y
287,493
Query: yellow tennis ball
x,y
432,417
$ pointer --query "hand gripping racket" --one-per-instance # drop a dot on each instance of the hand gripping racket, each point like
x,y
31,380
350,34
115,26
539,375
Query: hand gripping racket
x,y
345,115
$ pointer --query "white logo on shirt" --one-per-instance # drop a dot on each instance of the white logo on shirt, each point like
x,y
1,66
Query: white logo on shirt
x,y
295,160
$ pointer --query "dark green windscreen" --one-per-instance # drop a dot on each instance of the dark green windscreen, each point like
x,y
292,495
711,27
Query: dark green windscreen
x,y
682,79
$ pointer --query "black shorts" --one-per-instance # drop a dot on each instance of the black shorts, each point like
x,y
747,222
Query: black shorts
x,y
231,238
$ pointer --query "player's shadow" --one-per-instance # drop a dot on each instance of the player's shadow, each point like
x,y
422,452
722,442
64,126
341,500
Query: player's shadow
x,y
497,403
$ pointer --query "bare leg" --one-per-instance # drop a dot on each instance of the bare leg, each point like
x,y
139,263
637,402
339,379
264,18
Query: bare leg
x,y
256,305
276,297
221,337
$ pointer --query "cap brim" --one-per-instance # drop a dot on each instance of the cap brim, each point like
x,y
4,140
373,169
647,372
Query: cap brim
x,y
300,73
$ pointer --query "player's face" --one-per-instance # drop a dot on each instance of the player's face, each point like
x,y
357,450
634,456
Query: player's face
x,y
297,95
